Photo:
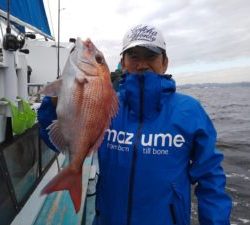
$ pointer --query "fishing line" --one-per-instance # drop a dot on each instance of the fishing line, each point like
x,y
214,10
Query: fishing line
x,y
51,22
58,35
58,40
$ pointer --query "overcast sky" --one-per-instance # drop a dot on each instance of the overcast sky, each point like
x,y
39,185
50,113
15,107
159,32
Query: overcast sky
x,y
202,36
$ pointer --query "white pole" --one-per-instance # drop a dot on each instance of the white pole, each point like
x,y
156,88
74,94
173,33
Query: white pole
x,y
10,78
22,75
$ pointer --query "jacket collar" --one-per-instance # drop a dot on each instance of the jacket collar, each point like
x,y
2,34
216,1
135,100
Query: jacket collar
x,y
152,86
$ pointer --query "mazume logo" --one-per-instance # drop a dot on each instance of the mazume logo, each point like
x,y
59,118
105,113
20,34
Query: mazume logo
x,y
153,140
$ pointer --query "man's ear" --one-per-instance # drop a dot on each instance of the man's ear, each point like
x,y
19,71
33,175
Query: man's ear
x,y
122,64
165,64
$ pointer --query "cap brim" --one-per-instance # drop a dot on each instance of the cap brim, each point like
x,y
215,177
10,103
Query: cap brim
x,y
150,47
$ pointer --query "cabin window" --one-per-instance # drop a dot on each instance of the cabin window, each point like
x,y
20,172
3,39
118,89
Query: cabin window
x,y
6,204
47,155
24,159
22,163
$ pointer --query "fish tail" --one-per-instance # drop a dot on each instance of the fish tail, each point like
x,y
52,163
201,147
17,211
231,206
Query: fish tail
x,y
67,180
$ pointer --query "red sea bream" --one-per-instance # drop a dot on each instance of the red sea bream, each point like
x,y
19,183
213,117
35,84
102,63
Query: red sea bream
x,y
86,105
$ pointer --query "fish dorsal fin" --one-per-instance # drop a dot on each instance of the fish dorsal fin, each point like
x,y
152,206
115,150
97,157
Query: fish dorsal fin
x,y
56,136
52,89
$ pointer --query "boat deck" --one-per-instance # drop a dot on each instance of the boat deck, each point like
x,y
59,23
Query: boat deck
x,y
58,207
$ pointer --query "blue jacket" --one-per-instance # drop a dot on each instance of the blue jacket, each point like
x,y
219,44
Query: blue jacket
x,y
159,144
46,115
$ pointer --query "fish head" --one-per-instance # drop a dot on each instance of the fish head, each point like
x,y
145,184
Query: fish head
x,y
90,61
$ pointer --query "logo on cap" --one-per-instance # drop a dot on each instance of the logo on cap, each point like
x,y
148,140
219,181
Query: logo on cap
x,y
146,36
143,33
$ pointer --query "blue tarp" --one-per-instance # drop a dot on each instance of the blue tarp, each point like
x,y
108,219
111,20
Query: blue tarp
x,y
29,11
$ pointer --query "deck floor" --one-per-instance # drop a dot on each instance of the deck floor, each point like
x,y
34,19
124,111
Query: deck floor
x,y
58,208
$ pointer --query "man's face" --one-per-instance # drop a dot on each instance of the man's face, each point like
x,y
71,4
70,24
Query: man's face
x,y
140,59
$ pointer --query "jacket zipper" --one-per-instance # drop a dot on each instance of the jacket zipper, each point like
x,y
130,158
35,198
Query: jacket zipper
x,y
134,153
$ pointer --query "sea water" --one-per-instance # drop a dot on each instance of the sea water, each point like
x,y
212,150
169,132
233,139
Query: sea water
x,y
228,105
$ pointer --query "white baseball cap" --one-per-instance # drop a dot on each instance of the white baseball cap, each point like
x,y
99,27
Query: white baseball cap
x,y
145,36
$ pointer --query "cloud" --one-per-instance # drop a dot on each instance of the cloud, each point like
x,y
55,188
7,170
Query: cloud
x,y
209,31
196,31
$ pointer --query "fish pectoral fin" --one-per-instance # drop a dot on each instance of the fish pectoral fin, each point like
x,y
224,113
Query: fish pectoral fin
x,y
56,136
81,79
52,89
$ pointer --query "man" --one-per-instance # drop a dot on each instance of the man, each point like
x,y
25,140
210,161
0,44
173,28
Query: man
x,y
159,144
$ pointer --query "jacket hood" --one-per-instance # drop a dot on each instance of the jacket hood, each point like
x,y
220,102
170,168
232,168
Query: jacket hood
x,y
143,93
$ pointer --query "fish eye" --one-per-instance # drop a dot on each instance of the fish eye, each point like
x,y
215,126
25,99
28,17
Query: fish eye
x,y
99,59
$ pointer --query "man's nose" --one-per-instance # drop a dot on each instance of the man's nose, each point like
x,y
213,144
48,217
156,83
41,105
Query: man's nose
x,y
142,65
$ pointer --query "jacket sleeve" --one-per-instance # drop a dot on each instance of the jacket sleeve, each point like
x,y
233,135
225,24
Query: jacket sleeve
x,y
46,115
214,205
